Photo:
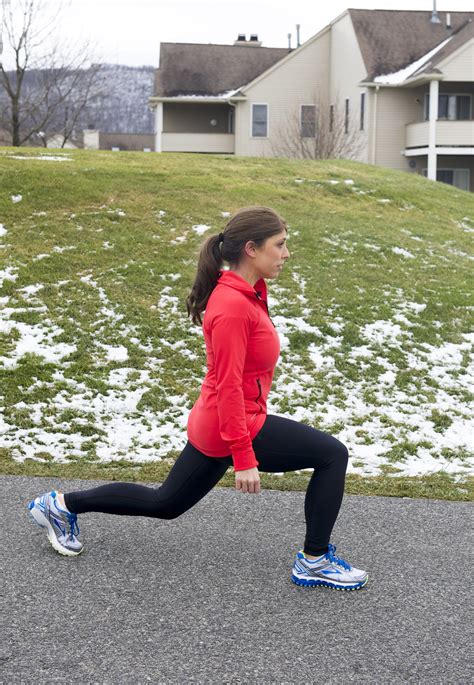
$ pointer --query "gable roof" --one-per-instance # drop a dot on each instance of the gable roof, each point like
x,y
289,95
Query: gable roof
x,y
199,69
391,40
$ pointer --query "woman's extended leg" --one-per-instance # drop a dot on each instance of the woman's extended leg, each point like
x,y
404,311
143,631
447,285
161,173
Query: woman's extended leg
x,y
192,476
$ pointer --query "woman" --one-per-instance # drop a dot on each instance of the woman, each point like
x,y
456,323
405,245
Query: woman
x,y
228,425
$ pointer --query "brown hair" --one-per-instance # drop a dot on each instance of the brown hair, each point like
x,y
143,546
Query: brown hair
x,y
249,223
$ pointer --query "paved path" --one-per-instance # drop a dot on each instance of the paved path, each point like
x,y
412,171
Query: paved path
x,y
206,598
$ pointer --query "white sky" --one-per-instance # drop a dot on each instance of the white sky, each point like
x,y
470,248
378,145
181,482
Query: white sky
x,y
130,31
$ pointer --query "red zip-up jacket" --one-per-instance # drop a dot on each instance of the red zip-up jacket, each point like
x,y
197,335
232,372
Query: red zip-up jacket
x,y
242,348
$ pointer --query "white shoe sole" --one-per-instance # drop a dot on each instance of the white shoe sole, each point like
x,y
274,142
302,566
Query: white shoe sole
x,y
39,518
306,581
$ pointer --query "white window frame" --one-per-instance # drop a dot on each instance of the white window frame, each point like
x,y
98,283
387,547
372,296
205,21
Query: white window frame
x,y
252,105
468,95
310,104
453,169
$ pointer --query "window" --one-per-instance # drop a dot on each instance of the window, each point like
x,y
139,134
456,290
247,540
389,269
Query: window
x,y
308,121
362,110
230,121
259,121
346,117
452,107
454,177
331,118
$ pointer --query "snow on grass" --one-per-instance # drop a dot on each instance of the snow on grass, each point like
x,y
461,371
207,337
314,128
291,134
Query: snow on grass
x,y
200,228
404,253
3,230
427,413
16,198
44,158
225,214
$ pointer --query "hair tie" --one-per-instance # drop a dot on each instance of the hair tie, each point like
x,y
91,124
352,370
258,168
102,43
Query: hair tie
x,y
221,237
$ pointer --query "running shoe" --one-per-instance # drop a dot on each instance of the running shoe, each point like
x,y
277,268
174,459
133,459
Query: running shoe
x,y
60,524
327,570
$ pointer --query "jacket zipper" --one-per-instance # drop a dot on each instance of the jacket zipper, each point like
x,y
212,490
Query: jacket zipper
x,y
262,300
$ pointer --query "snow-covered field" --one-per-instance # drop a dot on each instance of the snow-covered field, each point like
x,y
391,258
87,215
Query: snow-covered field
x,y
369,430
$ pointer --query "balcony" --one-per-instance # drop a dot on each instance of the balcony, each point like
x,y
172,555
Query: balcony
x,y
198,142
448,134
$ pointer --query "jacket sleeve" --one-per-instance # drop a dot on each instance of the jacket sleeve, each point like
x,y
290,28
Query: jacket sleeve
x,y
229,339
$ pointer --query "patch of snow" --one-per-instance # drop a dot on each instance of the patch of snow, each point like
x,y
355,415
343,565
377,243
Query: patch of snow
x,y
404,253
405,73
49,158
225,214
16,198
3,230
200,228
349,182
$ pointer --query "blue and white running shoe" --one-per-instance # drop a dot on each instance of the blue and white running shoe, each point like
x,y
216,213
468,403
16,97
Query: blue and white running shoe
x,y
61,525
327,570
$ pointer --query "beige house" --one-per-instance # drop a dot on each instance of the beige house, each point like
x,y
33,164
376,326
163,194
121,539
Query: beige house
x,y
393,88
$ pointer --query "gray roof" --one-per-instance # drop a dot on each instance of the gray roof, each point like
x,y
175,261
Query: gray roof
x,y
199,69
390,40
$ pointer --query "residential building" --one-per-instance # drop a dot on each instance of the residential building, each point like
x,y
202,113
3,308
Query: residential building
x,y
395,87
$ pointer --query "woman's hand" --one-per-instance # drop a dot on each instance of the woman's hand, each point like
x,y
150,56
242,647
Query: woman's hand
x,y
248,480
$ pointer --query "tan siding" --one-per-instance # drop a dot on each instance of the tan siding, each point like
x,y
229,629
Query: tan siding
x,y
297,82
460,66
396,107
347,70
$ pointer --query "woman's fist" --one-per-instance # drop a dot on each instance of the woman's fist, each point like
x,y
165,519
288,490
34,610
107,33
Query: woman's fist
x,y
248,480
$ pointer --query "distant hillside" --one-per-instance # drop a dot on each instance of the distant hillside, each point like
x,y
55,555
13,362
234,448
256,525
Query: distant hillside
x,y
122,106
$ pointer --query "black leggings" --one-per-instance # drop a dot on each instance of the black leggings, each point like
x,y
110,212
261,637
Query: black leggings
x,y
281,445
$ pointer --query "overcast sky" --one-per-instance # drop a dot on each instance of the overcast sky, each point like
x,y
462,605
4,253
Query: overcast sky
x,y
130,31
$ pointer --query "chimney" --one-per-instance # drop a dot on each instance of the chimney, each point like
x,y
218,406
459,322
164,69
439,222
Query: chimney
x,y
289,41
253,42
434,15
448,20
298,35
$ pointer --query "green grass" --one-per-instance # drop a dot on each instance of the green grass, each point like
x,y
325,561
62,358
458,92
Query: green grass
x,y
118,273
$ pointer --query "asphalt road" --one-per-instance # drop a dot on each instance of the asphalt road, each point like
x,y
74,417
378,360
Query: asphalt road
x,y
207,597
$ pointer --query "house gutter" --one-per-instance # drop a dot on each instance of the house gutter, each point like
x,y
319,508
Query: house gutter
x,y
153,101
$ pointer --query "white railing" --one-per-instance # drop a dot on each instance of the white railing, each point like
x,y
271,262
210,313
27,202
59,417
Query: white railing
x,y
197,142
448,133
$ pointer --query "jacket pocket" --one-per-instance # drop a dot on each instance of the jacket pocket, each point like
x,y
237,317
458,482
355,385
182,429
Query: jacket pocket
x,y
259,395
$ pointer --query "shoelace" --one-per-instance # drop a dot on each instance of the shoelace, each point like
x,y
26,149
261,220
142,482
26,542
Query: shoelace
x,y
73,525
331,555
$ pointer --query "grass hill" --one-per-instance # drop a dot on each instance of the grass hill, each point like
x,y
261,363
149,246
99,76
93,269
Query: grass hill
x,y
100,365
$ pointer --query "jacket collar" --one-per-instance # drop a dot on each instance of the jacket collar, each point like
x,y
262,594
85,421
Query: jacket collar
x,y
234,280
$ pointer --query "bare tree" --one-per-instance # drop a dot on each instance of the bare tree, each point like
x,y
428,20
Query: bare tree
x,y
46,80
320,130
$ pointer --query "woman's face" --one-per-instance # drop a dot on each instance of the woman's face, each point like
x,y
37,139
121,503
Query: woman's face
x,y
272,255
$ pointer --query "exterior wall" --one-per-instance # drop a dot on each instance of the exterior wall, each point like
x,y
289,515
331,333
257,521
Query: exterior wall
x,y
195,117
198,142
458,67
396,107
302,79
347,69
447,162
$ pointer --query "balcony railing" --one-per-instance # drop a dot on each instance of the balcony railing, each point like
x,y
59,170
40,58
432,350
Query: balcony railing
x,y
448,133
197,142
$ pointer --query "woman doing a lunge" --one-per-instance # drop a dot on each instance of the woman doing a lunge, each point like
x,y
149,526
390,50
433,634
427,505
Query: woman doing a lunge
x,y
229,425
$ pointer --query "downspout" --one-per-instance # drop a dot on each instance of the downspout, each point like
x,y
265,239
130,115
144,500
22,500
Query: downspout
x,y
374,125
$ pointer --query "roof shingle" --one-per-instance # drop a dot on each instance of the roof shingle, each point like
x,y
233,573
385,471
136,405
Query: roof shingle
x,y
199,69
